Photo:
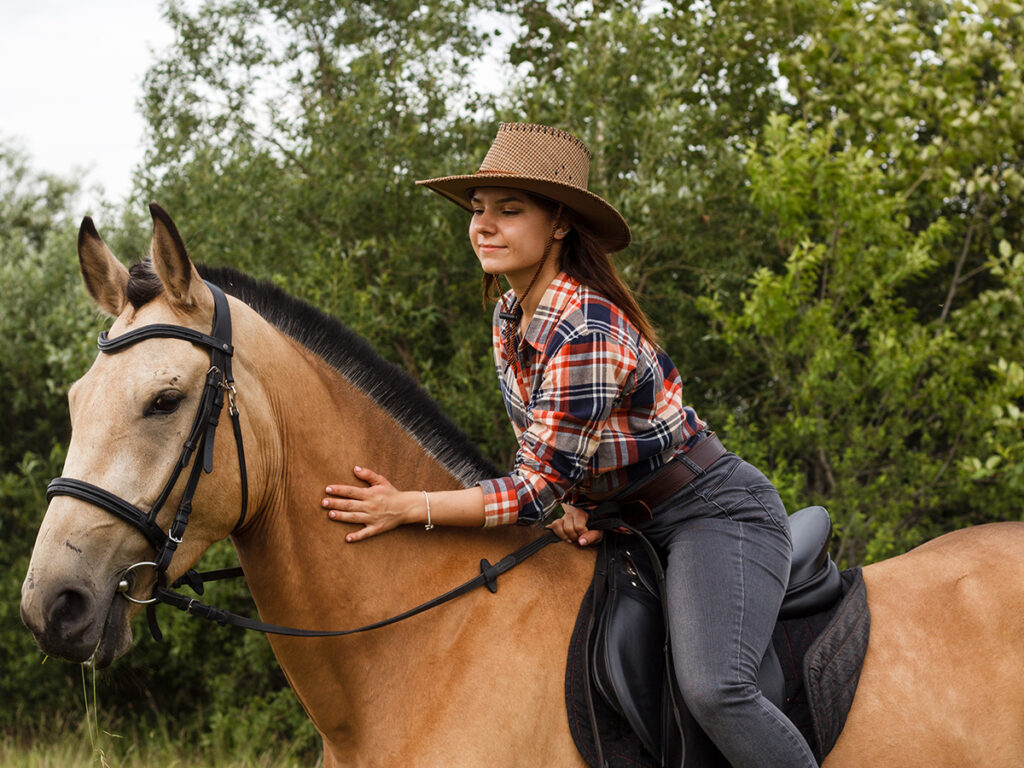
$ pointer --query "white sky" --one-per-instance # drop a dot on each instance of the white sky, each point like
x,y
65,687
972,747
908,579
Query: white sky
x,y
70,76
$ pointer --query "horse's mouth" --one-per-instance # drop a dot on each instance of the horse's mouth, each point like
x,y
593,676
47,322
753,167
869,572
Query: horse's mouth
x,y
116,637
77,636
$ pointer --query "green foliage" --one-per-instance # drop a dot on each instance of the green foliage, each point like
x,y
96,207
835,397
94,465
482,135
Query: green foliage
x,y
296,161
45,330
857,402
826,200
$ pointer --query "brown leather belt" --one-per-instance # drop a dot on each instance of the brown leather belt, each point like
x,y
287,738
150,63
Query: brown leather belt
x,y
639,504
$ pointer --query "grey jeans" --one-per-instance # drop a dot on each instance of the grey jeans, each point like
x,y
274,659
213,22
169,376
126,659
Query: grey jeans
x,y
727,539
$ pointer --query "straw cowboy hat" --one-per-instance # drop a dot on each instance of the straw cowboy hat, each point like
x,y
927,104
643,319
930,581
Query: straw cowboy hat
x,y
543,161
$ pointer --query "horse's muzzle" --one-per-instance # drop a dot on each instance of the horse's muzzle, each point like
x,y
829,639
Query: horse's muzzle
x,y
72,623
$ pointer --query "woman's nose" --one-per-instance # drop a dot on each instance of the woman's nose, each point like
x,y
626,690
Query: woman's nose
x,y
482,222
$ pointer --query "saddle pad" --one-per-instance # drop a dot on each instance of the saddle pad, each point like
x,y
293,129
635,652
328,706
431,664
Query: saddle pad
x,y
832,665
821,657
622,748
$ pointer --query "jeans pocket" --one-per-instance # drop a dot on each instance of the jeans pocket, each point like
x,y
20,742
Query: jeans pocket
x,y
770,508
741,492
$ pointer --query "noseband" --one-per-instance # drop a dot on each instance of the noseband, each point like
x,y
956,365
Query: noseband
x,y
200,439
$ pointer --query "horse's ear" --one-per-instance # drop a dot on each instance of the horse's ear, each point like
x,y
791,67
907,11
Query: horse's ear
x,y
105,277
182,282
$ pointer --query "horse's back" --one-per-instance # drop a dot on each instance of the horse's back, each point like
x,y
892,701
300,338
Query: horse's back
x,y
943,680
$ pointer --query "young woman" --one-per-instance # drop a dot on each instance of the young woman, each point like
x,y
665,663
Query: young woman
x,y
597,407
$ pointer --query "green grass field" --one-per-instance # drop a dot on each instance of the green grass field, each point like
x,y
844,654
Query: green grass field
x,y
76,751
154,749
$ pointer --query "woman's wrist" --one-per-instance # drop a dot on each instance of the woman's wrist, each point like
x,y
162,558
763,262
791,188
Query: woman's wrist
x,y
416,507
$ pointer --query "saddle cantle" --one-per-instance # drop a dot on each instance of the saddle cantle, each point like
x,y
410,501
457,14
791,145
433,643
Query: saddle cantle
x,y
629,664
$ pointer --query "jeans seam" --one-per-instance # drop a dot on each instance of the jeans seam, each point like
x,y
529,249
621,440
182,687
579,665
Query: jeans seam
x,y
707,495
743,606
768,514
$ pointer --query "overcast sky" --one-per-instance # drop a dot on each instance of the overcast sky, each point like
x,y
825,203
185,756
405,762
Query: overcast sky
x,y
70,76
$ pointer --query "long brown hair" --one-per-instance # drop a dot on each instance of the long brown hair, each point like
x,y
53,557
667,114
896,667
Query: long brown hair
x,y
585,260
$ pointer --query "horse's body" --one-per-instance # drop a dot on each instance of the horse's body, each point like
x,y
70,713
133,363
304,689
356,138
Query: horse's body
x,y
478,681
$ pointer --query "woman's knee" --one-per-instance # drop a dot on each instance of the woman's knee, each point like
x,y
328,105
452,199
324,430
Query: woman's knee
x,y
711,701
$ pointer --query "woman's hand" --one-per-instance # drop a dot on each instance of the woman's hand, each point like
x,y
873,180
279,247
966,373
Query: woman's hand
x,y
572,527
378,508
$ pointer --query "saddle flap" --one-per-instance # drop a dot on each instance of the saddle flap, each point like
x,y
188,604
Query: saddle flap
x,y
629,651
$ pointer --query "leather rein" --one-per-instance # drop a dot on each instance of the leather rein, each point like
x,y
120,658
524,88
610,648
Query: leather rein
x,y
200,440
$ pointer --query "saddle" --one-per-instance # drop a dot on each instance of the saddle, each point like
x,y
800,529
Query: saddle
x,y
635,716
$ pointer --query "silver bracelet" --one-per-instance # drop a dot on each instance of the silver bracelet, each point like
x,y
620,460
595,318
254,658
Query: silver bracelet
x,y
429,524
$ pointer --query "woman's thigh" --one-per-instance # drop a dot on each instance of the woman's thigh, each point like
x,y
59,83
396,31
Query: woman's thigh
x,y
729,553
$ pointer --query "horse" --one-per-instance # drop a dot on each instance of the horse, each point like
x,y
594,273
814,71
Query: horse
x,y
480,680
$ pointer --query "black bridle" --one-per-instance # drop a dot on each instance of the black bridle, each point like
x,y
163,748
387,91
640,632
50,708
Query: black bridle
x,y
220,382
200,441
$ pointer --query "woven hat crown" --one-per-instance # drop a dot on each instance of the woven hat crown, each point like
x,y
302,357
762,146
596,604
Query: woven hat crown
x,y
539,152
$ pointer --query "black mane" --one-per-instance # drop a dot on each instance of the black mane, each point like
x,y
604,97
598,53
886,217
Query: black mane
x,y
351,355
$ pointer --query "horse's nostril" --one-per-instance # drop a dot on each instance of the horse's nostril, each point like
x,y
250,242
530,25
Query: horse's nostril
x,y
70,612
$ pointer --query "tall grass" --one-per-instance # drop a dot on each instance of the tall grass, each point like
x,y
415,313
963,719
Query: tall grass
x,y
100,737
74,747
98,742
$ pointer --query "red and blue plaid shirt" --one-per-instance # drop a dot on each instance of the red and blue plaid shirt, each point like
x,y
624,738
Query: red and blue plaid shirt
x,y
595,406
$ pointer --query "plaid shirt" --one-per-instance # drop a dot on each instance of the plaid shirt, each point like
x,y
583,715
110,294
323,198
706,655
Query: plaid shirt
x,y
595,406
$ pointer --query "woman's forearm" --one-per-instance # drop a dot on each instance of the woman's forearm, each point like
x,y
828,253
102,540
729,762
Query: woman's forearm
x,y
463,508
379,506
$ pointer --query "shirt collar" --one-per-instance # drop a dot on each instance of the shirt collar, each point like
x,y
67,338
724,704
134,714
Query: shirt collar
x,y
555,299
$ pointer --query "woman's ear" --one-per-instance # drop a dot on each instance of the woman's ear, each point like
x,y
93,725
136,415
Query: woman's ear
x,y
562,231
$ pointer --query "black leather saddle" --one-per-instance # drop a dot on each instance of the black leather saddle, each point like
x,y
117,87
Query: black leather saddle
x,y
628,649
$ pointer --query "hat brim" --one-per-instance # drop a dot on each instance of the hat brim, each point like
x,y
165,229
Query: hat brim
x,y
603,220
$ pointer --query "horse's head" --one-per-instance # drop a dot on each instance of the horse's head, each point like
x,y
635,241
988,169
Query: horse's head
x,y
131,413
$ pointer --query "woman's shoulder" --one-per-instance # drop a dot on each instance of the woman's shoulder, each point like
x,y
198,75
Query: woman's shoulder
x,y
589,312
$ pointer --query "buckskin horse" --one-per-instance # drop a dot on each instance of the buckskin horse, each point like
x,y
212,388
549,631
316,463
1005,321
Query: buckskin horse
x,y
480,680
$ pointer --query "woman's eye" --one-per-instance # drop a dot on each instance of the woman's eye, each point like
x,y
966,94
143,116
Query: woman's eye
x,y
165,402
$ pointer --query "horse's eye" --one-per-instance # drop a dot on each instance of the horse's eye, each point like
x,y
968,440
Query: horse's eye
x,y
166,402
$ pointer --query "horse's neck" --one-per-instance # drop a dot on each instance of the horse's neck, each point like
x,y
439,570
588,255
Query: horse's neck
x,y
322,426
302,572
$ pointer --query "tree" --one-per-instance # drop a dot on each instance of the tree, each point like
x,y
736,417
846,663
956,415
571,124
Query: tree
x,y
853,399
295,161
888,204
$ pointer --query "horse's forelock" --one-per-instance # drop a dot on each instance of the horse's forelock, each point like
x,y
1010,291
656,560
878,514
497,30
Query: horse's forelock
x,y
143,284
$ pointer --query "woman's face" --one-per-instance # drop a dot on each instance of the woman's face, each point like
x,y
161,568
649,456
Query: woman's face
x,y
508,231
